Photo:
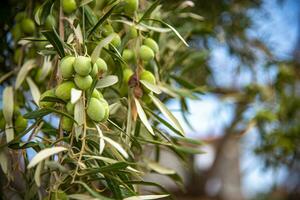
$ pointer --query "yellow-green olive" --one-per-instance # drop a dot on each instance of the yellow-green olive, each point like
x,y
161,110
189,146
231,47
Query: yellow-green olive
x,y
102,66
16,32
107,29
127,73
20,124
106,107
96,94
96,110
2,121
146,53
83,65
128,55
66,66
20,16
48,93
50,22
83,82
149,77
133,32
116,41
63,91
152,44
94,71
70,108
131,6
69,6
66,124
28,26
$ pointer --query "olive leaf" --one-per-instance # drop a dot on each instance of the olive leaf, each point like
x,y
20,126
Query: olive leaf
x,y
143,116
159,168
35,92
147,197
8,109
37,174
101,139
45,153
117,146
96,52
26,67
107,81
151,87
165,111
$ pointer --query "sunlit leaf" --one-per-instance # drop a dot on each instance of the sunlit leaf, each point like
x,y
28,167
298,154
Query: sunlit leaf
x,y
107,81
143,116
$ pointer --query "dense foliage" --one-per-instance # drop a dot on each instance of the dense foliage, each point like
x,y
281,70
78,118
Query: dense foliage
x,y
85,88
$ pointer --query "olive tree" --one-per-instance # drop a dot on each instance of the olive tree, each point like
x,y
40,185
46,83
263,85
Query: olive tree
x,y
84,112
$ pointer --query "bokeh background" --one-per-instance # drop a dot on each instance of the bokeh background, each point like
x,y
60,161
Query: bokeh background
x,y
245,59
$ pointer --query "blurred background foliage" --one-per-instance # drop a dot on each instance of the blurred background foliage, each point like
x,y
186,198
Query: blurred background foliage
x,y
226,23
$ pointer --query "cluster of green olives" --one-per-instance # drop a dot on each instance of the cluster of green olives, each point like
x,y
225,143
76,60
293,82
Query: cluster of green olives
x,y
79,73
19,122
24,26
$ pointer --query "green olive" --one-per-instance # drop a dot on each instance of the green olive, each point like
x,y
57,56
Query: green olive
x,y
70,108
50,22
131,6
106,107
128,55
149,77
107,30
146,53
127,73
133,32
102,66
66,124
17,55
94,71
96,110
66,66
69,6
116,41
28,26
38,76
63,91
96,94
146,99
152,44
16,32
20,16
20,124
83,82
48,93
83,65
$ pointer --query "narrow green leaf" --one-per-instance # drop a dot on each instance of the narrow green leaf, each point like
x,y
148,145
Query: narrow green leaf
x,y
35,92
143,116
26,67
172,28
160,169
96,52
147,197
55,40
151,87
92,192
148,12
8,109
165,111
102,19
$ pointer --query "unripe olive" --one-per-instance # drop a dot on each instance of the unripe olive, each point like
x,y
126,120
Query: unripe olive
x,y
17,55
106,107
96,94
149,77
50,22
17,110
127,55
63,91
83,82
133,32
20,16
107,29
20,124
152,44
16,32
96,110
146,53
146,99
94,71
127,73
131,6
28,26
70,108
116,41
66,67
102,66
66,123
69,6
48,93
82,65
